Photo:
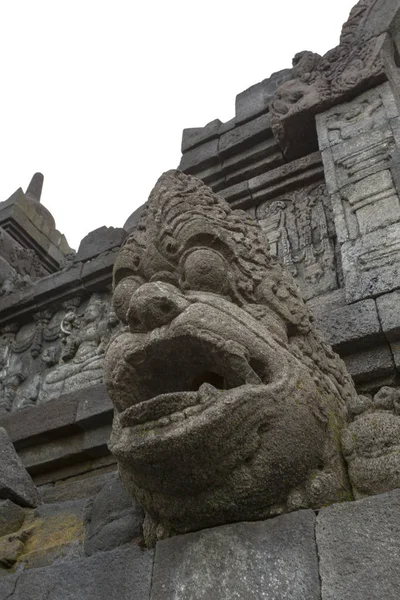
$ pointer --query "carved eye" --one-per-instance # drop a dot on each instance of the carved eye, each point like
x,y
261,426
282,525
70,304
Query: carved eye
x,y
170,246
206,270
122,295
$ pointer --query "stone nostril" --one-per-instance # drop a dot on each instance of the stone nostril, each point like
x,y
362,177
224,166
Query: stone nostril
x,y
165,307
153,305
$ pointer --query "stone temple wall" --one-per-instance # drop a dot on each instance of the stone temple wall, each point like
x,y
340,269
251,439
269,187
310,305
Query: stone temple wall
x,y
313,153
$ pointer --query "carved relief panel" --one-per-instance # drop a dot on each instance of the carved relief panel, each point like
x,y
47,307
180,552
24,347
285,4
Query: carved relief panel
x,y
59,351
300,230
358,140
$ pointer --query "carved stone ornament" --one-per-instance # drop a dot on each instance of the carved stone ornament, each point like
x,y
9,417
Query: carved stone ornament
x,y
317,83
228,406
84,339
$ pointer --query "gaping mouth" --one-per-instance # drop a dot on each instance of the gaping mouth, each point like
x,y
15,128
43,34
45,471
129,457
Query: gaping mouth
x,y
176,377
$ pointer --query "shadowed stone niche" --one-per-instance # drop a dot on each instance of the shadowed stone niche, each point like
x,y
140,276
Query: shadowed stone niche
x,y
228,405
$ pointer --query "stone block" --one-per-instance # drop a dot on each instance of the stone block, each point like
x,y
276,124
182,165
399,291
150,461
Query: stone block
x,y
271,559
55,534
122,574
193,136
57,453
368,365
204,155
389,314
98,241
244,136
349,327
359,549
8,586
76,469
56,284
371,263
97,273
11,517
44,422
95,441
286,171
381,18
94,408
75,488
240,191
257,152
255,100
246,167
374,201
15,482
112,519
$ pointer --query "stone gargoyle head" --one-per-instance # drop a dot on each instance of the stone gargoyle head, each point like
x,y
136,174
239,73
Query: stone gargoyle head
x,y
228,406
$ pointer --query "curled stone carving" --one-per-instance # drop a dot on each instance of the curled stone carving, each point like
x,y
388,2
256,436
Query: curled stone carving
x,y
371,443
317,82
228,406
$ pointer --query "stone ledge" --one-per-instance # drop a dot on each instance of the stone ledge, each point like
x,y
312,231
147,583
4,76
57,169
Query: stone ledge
x,y
359,549
121,574
349,327
272,559
70,414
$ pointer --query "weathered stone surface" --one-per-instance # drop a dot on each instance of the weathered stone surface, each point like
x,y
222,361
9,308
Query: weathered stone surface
x,y
372,363
85,337
95,441
255,100
317,83
11,517
286,171
15,483
98,241
56,284
122,574
204,155
214,363
84,486
113,518
351,326
94,408
389,314
134,218
359,549
97,271
251,159
298,225
194,136
370,263
56,453
371,444
244,135
271,559
8,585
43,422
54,535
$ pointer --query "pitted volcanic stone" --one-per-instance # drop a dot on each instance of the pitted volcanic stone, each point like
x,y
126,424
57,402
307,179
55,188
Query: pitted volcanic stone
x,y
15,482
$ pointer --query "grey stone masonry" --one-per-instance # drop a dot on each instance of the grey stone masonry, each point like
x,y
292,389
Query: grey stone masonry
x,y
359,549
272,559
15,483
122,574
357,140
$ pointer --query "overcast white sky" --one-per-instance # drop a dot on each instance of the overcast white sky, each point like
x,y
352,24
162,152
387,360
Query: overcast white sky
x,y
95,93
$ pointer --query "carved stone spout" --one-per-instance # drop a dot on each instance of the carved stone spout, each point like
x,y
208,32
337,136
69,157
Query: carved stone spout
x,y
228,406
